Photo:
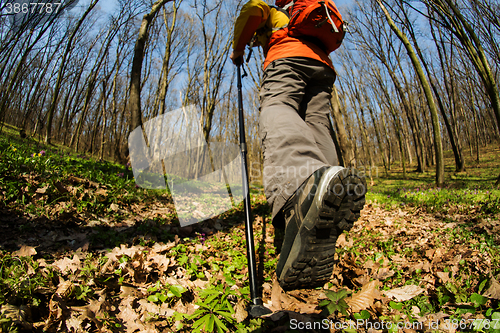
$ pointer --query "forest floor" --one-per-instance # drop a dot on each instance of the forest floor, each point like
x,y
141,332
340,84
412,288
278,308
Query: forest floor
x,y
82,249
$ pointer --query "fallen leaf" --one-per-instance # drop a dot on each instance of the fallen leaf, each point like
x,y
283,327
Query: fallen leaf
x,y
102,192
131,252
342,242
25,251
276,296
159,247
42,190
384,273
404,293
494,289
166,311
64,289
18,315
430,253
74,324
114,207
126,291
444,276
130,317
65,264
161,261
365,298
240,312
146,306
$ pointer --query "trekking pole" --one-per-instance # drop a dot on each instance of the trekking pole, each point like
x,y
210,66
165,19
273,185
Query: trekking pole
x,y
256,309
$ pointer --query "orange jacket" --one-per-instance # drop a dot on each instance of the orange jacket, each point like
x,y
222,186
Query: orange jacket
x,y
257,18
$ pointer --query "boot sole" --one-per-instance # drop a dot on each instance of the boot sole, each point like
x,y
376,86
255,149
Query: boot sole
x,y
307,257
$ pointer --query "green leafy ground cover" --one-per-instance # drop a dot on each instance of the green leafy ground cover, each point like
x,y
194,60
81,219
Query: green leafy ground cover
x,y
84,250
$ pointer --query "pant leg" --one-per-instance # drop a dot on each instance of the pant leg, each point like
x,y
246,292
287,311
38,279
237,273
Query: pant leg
x,y
294,100
316,106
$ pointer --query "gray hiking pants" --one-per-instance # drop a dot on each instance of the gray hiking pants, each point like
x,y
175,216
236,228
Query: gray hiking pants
x,y
294,126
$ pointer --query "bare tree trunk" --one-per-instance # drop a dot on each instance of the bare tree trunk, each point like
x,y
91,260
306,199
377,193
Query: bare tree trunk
x,y
67,51
377,133
397,125
438,145
344,143
135,74
165,72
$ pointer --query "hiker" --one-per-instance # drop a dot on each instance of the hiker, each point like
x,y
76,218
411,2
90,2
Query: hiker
x,y
312,198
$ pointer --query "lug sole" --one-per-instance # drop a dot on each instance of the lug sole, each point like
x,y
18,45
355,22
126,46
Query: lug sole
x,y
310,259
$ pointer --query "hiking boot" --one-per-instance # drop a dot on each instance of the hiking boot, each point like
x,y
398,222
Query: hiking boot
x,y
325,205
279,236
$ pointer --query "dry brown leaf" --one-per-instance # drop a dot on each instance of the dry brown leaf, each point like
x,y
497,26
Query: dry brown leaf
x,y
416,266
124,250
166,311
384,273
266,287
159,247
276,296
146,306
200,283
361,280
404,293
240,312
65,264
57,304
25,251
42,190
18,315
161,261
74,324
443,276
129,317
365,297
114,207
64,289
126,291
430,253
494,289
370,264
427,267
101,192
342,242
438,255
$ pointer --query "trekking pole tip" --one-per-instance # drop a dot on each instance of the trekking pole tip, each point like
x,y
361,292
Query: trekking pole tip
x,y
258,310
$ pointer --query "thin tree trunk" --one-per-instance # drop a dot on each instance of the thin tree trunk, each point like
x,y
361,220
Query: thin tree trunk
x,y
438,145
57,89
344,143
136,72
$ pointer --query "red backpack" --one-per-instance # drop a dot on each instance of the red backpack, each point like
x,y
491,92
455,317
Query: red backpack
x,y
316,20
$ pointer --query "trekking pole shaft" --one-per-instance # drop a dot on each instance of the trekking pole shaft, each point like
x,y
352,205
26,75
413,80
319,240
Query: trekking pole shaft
x,y
252,268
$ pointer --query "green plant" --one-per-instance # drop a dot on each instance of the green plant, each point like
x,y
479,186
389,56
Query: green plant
x,y
478,300
16,283
215,312
363,315
7,325
83,292
167,294
335,302
109,321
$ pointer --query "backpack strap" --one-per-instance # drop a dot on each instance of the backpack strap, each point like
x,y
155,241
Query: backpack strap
x,y
284,11
329,17
288,5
